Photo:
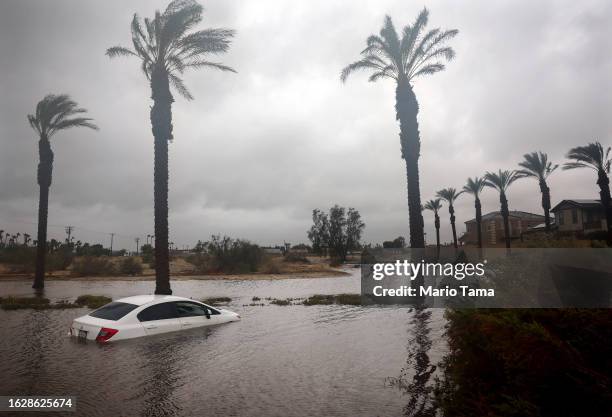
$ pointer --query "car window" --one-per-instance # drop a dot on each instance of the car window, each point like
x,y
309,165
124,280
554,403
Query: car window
x,y
211,310
187,309
113,311
162,311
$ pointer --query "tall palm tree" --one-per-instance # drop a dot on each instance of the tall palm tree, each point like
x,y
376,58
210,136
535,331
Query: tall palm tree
x,y
53,114
474,186
594,156
536,165
403,59
435,206
450,195
501,181
166,50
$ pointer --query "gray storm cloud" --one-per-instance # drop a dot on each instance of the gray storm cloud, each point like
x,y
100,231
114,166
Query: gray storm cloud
x,y
256,151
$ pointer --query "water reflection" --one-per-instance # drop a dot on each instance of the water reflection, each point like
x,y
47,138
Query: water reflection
x,y
415,378
277,361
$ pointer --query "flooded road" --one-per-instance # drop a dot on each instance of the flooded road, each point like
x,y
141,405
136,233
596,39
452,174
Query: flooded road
x,y
278,361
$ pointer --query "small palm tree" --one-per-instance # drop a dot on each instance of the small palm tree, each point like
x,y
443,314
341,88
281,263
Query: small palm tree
x,y
54,113
403,59
536,165
501,181
450,195
435,206
474,186
594,156
166,50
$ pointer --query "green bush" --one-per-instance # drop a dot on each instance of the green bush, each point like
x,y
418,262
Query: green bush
x,y
17,303
544,362
93,266
216,300
343,299
92,301
130,266
227,255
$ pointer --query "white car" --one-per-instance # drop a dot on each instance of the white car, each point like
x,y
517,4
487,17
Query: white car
x,y
145,315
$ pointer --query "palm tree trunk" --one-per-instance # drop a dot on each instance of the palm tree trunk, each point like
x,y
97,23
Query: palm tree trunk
x,y
44,175
604,193
437,224
407,109
478,221
545,203
505,215
451,210
161,122
478,207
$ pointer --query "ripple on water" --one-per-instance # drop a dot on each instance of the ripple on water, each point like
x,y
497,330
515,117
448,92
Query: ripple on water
x,y
277,361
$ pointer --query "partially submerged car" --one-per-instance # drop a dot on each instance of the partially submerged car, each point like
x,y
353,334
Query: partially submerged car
x,y
145,315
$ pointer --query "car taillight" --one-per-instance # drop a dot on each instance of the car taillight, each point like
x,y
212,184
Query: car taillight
x,y
105,334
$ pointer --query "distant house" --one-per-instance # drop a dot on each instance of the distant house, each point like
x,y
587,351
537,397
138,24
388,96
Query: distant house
x,y
580,217
493,227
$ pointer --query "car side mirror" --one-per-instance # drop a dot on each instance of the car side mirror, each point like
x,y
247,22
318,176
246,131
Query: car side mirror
x,y
207,314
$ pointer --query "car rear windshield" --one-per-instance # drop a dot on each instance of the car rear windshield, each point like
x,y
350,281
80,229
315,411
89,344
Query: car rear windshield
x,y
113,311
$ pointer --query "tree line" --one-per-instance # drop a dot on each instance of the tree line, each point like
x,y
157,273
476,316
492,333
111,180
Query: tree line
x,y
535,165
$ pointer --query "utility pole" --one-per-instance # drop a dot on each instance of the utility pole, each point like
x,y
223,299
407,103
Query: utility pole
x,y
137,240
112,235
69,230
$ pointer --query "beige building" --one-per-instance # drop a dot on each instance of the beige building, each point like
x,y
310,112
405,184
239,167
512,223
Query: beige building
x,y
493,227
580,217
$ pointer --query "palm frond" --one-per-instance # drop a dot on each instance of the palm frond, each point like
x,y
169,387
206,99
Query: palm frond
x,y
449,194
474,186
166,46
501,180
365,63
434,205
115,51
536,165
592,156
52,115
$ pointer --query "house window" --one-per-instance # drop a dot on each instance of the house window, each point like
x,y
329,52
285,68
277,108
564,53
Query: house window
x,y
560,218
574,216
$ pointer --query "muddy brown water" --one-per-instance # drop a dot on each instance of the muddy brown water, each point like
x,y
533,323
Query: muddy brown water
x,y
278,361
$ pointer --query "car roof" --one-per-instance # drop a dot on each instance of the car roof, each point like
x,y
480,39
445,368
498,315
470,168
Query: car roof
x,y
140,300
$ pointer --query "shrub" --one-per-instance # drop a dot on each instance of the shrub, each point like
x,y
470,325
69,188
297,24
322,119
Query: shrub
x,y
92,301
343,299
227,255
296,258
216,300
270,266
278,302
131,266
319,299
540,362
92,266
17,303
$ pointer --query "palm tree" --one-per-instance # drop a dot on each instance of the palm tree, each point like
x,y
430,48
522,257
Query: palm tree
x,y
595,157
474,186
54,113
403,59
501,181
536,165
435,206
166,50
450,195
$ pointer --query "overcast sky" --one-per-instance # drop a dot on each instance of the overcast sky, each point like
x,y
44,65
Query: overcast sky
x,y
256,151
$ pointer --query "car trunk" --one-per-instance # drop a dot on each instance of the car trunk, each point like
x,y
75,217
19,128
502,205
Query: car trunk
x,y
91,325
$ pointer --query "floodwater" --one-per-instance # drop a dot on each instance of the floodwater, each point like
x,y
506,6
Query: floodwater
x,y
278,361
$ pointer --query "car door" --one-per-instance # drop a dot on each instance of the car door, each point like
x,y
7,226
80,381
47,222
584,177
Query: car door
x,y
159,318
193,314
